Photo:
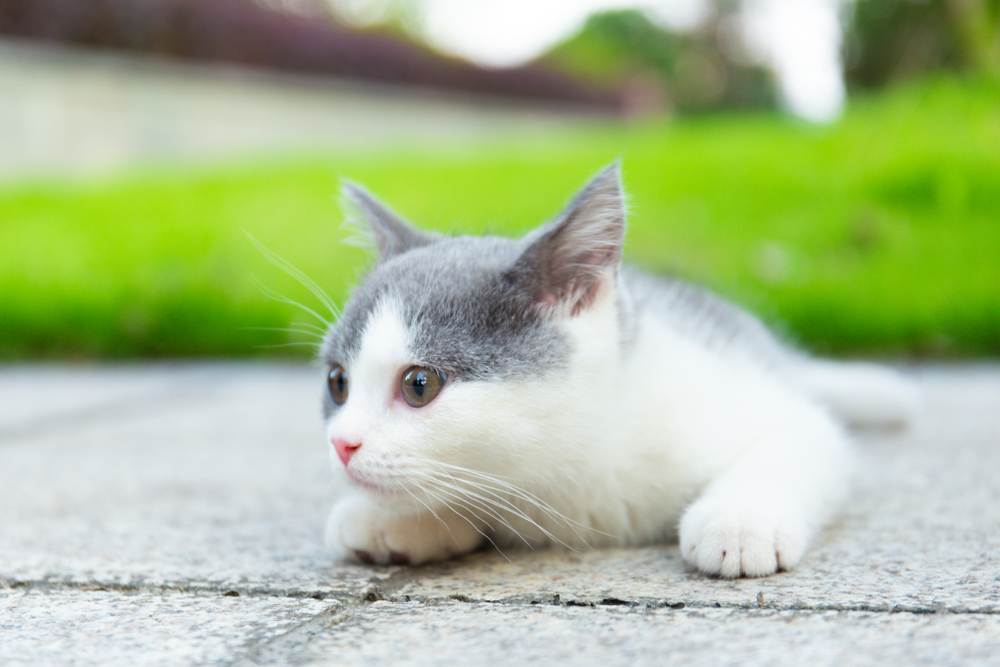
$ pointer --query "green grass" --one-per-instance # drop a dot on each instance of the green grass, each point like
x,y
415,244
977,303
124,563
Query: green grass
x,y
879,235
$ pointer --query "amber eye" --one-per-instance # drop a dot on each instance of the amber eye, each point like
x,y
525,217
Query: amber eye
x,y
421,384
336,382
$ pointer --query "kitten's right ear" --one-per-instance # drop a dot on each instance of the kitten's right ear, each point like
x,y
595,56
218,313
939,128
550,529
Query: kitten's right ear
x,y
568,260
378,223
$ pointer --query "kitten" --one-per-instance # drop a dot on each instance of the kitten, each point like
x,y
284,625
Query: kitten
x,y
535,391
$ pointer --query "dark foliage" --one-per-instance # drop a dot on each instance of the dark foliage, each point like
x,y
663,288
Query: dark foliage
x,y
889,40
694,71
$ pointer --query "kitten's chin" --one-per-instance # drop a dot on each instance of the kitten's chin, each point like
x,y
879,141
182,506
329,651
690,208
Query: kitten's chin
x,y
364,483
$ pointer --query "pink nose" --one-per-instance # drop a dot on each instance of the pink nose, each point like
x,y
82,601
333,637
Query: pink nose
x,y
345,449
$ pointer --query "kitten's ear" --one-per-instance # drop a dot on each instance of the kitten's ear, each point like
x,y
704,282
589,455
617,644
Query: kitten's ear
x,y
389,233
567,259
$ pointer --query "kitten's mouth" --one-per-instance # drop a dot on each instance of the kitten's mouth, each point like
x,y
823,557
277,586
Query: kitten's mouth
x,y
360,480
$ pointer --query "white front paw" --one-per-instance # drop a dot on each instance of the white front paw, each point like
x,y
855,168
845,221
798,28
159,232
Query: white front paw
x,y
358,531
736,538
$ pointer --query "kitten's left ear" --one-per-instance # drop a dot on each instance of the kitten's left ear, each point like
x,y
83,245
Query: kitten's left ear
x,y
392,235
567,259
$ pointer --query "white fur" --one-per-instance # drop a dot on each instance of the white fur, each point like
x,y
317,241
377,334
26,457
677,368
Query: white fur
x,y
626,446
861,394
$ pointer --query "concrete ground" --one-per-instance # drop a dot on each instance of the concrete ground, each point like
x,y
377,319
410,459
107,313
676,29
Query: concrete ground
x,y
172,514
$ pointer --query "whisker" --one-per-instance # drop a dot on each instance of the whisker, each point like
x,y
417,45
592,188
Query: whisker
x,y
312,345
281,298
298,326
458,494
429,508
290,330
500,484
468,521
296,273
531,502
510,507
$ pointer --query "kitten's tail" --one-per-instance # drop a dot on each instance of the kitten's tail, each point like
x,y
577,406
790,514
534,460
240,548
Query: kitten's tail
x,y
861,394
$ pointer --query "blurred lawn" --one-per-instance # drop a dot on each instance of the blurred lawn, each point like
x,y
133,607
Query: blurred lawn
x,y
879,235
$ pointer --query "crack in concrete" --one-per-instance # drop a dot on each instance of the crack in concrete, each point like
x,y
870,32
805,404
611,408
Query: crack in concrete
x,y
194,588
389,589
283,648
556,600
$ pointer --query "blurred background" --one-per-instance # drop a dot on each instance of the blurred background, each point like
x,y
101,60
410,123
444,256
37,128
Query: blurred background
x,y
832,164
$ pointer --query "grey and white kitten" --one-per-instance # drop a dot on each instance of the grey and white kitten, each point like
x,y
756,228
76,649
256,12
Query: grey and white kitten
x,y
535,391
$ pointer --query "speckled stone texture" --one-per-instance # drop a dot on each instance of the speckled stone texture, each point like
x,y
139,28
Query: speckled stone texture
x,y
477,633
54,626
172,515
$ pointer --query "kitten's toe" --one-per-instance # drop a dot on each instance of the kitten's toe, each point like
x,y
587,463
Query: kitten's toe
x,y
349,536
789,547
730,548
758,555
744,544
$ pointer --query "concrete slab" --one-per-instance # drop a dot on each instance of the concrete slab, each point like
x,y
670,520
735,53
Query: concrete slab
x,y
492,634
48,627
222,481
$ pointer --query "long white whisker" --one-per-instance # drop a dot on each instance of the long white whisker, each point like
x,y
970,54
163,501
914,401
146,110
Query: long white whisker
x,y
306,333
510,507
296,273
500,484
473,509
313,345
429,508
497,492
281,298
292,328
459,494
466,519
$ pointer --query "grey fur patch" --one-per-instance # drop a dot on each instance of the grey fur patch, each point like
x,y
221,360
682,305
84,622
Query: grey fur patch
x,y
699,314
464,313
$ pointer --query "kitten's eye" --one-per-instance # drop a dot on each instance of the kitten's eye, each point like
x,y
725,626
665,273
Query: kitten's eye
x,y
420,385
336,382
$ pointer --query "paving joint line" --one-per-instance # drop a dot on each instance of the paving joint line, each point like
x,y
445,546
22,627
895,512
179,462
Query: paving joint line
x,y
644,603
206,589
388,591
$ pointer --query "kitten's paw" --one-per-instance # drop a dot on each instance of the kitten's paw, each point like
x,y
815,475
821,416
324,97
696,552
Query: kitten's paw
x,y
358,531
731,540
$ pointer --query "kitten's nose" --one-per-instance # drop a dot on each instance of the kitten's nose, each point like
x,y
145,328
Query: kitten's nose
x,y
345,449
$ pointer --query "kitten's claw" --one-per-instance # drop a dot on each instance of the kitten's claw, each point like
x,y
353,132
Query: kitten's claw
x,y
720,540
364,556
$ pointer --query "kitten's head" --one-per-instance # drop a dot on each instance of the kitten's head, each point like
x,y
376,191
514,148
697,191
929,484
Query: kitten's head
x,y
465,356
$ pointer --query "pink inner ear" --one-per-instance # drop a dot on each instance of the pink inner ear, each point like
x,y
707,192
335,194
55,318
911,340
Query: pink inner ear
x,y
578,296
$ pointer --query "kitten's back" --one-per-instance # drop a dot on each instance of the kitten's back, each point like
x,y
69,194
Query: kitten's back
x,y
701,315
860,394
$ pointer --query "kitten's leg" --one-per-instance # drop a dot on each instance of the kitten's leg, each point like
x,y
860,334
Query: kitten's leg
x,y
358,529
760,514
